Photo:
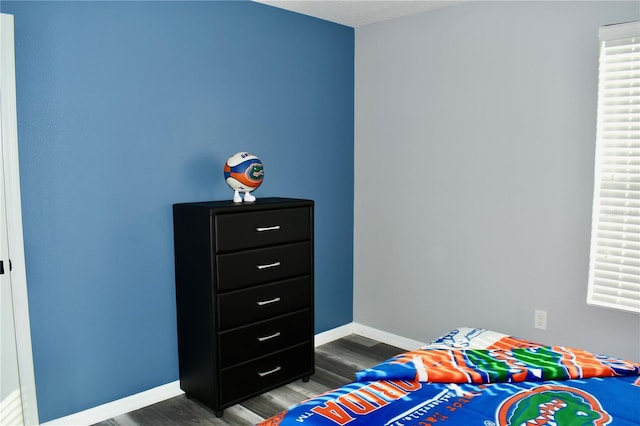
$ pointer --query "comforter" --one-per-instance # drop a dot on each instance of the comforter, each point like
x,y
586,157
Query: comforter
x,y
479,377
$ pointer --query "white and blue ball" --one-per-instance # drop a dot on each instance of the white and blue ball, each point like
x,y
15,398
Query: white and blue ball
x,y
243,172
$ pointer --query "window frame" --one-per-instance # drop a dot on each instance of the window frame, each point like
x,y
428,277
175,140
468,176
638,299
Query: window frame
x,y
614,261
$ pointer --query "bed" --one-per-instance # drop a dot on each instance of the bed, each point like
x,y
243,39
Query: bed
x,y
475,376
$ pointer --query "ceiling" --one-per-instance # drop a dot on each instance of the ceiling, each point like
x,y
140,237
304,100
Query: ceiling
x,y
356,13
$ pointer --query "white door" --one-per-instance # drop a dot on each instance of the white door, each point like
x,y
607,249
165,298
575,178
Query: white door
x,y
17,381
11,403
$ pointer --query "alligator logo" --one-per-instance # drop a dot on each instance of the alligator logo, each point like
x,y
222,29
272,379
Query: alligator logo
x,y
255,172
552,405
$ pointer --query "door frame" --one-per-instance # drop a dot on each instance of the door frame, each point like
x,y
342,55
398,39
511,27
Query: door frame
x,y
9,128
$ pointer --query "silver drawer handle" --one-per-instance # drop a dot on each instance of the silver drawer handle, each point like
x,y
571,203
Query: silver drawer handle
x,y
266,373
272,336
270,265
268,228
267,302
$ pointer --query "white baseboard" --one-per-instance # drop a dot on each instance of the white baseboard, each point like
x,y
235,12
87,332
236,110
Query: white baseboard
x,y
134,402
333,334
366,331
121,406
385,337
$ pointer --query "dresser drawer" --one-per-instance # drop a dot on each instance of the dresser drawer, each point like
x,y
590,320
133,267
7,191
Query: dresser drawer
x,y
256,340
256,376
250,267
239,231
263,302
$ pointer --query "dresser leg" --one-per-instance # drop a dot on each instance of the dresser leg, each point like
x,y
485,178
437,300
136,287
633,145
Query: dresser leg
x,y
219,413
306,379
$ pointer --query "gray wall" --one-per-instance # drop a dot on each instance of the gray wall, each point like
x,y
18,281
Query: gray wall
x,y
475,132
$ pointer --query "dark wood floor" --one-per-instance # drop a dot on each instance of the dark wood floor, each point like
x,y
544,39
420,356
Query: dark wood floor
x,y
336,363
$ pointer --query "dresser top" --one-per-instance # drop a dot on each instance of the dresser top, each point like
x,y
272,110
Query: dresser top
x,y
259,204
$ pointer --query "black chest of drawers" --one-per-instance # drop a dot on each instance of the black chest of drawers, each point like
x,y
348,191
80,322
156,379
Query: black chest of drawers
x,y
244,292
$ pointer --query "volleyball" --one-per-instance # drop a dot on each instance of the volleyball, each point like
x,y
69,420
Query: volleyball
x,y
243,172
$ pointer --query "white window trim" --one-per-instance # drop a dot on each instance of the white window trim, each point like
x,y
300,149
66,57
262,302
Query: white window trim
x,y
614,266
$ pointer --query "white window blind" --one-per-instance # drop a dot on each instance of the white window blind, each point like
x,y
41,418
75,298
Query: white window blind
x,y
614,270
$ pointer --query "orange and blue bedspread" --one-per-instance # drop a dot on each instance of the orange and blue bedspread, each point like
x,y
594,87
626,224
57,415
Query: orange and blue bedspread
x,y
479,377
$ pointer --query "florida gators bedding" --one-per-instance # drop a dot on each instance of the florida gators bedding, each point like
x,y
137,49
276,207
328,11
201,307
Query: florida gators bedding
x,y
480,377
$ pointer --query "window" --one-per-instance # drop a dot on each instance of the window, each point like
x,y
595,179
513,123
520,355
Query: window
x,y
614,269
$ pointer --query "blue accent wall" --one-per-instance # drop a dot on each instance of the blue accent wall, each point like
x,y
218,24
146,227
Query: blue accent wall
x,y
125,108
